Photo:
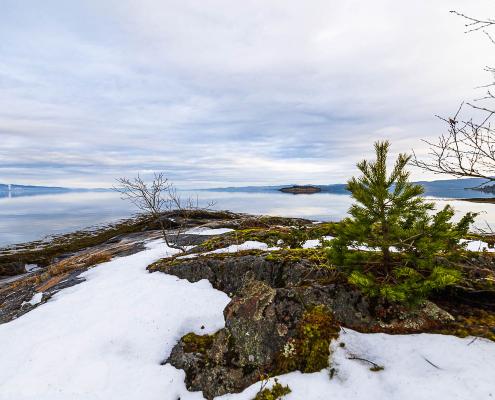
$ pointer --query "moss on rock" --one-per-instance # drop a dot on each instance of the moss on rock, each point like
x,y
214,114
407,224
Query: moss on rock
x,y
309,351
194,343
316,257
277,391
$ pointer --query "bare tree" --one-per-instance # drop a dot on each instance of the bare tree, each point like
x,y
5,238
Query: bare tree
x,y
475,24
466,150
468,147
157,198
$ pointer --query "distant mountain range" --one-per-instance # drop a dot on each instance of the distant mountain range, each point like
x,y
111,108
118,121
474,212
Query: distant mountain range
x,y
449,188
31,190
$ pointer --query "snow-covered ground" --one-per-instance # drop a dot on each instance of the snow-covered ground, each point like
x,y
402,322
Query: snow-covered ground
x,y
234,248
105,338
463,370
248,245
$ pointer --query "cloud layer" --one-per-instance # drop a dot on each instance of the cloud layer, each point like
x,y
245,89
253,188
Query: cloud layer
x,y
225,93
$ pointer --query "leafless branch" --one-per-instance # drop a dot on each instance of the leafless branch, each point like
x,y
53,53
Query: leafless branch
x,y
475,24
466,150
158,197
375,365
429,362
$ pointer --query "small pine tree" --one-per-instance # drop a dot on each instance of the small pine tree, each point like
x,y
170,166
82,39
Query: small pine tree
x,y
392,218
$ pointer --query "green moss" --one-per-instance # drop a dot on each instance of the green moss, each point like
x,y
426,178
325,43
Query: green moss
x,y
270,236
317,231
277,391
212,244
197,343
310,349
476,322
317,256
288,236
241,253
267,221
292,237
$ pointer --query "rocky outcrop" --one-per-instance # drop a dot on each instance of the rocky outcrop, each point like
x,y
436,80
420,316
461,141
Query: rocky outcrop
x,y
23,298
317,286
226,273
63,258
260,323
281,318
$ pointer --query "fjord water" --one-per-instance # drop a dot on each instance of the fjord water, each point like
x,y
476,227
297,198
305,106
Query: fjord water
x,y
28,218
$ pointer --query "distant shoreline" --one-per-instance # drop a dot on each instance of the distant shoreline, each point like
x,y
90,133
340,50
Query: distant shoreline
x,y
296,189
488,200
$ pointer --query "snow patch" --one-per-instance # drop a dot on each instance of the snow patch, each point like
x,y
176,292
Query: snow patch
x,y
31,267
234,248
248,245
478,245
471,245
106,337
36,299
207,231
462,369
314,243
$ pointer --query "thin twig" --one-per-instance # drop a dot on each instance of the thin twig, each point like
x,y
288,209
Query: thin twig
x,y
365,360
429,362
472,341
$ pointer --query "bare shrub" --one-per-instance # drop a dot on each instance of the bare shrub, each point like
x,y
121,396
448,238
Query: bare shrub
x,y
157,198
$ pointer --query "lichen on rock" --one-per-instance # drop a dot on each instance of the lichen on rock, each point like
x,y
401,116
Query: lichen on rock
x,y
259,322
309,350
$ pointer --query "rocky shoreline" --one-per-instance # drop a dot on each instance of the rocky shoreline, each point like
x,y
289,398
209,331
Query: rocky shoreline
x,y
287,304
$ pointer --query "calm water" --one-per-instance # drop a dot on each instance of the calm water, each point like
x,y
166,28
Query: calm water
x,y
24,219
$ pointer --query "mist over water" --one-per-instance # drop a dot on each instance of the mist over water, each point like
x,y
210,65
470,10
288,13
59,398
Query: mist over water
x,y
23,219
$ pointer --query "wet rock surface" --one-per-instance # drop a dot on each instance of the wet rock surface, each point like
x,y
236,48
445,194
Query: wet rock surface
x,y
17,302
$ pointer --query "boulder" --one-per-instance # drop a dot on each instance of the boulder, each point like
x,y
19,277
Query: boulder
x,y
261,322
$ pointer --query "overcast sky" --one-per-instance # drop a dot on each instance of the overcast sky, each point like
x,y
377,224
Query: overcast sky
x,y
226,92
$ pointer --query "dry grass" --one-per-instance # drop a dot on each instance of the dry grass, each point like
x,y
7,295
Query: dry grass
x,y
44,286
59,271
76,262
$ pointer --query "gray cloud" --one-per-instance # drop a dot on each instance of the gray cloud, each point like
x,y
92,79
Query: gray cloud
x,y
220,92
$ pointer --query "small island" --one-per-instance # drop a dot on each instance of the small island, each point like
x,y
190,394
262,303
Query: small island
x,y
301,189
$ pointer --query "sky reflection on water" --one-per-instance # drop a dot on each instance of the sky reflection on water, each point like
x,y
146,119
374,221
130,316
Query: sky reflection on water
x,y
30,218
